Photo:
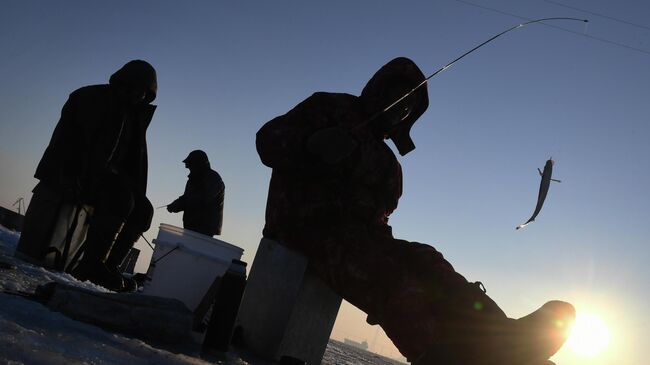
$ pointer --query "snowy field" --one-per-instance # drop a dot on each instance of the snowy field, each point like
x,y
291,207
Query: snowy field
x,y
31,334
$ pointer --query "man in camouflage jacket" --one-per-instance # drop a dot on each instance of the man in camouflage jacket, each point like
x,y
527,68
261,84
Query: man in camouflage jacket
x,y
335,183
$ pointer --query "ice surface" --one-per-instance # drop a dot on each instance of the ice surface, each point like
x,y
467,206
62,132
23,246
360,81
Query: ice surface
x,y
31,334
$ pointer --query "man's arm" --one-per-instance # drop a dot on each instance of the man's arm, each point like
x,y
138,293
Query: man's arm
x,y
176,206
307,135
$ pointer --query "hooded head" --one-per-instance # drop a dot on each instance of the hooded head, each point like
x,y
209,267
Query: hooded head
x,y
196,159
137,77
391,82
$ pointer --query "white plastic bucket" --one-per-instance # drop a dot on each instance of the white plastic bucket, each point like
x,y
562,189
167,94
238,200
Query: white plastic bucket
x,y
185,263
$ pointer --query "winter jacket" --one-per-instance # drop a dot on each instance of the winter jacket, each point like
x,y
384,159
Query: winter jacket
x,y
306,191
89,141
202,202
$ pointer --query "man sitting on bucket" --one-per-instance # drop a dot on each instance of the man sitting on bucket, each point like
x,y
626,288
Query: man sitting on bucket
x,y
335,183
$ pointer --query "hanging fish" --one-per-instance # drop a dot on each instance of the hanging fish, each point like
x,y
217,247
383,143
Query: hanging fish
x,y
543,190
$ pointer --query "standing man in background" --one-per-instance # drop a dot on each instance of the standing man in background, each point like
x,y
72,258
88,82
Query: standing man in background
x,y
202,201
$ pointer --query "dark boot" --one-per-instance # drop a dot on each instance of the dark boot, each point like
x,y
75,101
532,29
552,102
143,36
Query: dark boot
x,y
101,275
475,331
123,244
100,238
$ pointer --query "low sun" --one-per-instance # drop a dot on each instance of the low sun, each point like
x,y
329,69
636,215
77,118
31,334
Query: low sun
x,y
589,335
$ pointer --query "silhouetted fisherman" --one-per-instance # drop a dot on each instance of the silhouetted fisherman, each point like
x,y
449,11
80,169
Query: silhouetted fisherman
x,y
334,184
202,201
98,156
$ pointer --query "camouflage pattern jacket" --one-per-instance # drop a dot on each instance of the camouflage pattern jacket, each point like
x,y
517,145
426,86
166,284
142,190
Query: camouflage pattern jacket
x,y
306,192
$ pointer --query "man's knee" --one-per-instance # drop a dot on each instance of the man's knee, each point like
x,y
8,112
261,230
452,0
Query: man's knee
x,y
113,196
119,204
141,216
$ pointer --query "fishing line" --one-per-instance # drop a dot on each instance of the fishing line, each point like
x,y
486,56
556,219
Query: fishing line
x,y
165,255
556,147
603,40
147,241
445,67
622,21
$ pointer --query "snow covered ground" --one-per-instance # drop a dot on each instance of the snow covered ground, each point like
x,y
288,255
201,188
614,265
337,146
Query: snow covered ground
x,y
31,334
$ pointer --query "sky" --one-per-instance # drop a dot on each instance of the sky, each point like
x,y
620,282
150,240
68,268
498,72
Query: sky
x,y
576,93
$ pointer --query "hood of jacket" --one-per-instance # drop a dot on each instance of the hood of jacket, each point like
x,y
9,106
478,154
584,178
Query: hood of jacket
x,y
137,74
388,84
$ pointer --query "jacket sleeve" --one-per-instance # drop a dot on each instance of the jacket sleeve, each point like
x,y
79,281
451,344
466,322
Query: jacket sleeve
x,y
281,142
70,137
64,158
89,139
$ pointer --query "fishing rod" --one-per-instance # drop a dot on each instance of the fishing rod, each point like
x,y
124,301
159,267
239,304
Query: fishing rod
x,y
147,241
445,67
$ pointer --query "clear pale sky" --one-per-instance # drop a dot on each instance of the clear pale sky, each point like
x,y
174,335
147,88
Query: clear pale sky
x,y
225,68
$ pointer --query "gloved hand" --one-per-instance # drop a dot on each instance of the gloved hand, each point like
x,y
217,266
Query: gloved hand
x,y
174,207
332,144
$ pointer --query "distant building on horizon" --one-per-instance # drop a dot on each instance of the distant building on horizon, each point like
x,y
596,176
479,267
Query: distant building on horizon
x,y
360,345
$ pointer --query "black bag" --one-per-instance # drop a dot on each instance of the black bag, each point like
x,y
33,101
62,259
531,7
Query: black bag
x,y
53,230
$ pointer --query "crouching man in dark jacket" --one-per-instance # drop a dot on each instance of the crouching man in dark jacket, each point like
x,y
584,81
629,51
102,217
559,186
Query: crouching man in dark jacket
x,y
334,184
202,201
98,156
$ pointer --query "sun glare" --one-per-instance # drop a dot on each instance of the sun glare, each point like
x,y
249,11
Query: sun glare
x,y
589,335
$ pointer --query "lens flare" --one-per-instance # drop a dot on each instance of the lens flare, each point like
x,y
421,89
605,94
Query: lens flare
x,y
589,335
